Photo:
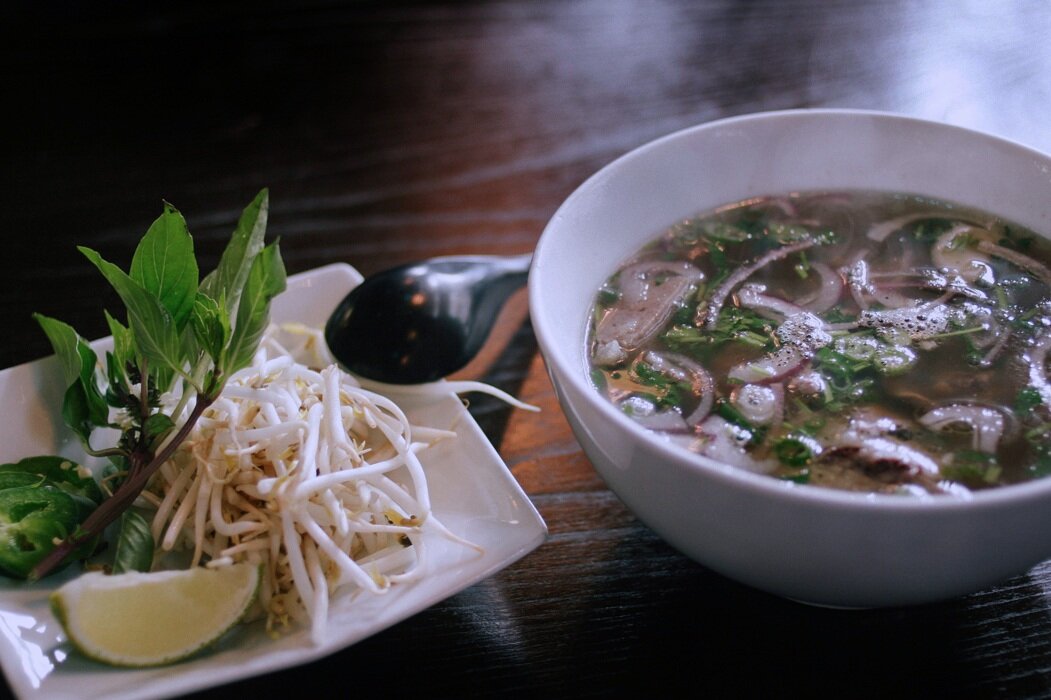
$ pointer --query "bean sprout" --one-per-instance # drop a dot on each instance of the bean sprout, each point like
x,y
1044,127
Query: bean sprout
x,y
308,474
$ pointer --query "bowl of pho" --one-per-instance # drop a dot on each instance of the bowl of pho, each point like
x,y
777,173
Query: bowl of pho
x,y
810,350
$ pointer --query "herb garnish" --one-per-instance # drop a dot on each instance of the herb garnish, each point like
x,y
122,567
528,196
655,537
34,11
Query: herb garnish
x,y
734,323
181,333
669,392
849,380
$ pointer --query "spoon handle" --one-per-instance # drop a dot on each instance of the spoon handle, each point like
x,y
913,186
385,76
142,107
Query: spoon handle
x,y
505,264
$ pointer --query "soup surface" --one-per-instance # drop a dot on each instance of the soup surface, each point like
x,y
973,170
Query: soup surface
x,y
855,340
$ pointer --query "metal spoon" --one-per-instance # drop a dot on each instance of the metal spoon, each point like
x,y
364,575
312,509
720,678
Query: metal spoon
x,y
423,321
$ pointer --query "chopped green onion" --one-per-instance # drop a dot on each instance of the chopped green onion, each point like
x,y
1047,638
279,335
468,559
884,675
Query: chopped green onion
x,y
794,451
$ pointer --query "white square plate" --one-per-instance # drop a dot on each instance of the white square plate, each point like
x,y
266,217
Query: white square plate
x,y
472,493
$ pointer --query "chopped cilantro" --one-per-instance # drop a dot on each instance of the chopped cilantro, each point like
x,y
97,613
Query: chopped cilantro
x,y
683,315
737,324
669,391
788,233
961,241
1041,467
849,379
1027,400
728,412
722,231
928,230
1012,240
719,261
609,292
973,468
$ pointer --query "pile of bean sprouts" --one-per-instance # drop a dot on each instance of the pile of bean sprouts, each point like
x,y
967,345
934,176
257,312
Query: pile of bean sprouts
x,y
293,468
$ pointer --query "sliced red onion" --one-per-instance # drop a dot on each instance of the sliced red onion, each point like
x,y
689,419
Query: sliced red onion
x,y
891,299
682,368
1021,260
1036,360
608,354
857,274
926,278
809,383
760,404
724,442
786,205
709,314
827,294
1004,335
987,424
865,285
643,411
954,283
773,367
880,231
751,296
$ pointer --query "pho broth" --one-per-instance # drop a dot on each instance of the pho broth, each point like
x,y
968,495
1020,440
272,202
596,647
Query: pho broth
x,y
855,340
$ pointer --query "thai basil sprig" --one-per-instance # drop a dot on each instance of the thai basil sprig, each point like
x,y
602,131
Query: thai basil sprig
x,y
180,332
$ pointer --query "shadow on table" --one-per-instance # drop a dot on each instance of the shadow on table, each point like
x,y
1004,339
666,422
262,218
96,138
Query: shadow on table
x,y
707,633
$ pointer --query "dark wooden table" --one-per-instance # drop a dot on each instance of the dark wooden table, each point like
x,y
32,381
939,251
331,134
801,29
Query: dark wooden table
x,y
391,131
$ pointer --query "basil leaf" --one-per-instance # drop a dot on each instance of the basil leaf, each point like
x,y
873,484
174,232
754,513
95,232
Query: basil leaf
x,y
165,266
151,324
266,280
123,343
76,412
118,394
83,406
229,278
157,426
211,325
134,544
65,342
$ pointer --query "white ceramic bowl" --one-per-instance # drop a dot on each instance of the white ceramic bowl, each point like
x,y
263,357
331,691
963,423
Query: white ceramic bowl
x,y
807,543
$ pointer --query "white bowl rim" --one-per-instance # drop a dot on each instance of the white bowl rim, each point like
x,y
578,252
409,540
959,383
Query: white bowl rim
x,y
761,484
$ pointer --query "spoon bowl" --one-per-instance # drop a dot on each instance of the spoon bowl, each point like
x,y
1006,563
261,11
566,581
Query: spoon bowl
x,y
420,322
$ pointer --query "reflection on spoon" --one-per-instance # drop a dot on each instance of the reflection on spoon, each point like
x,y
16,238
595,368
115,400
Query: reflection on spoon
x,y
420,322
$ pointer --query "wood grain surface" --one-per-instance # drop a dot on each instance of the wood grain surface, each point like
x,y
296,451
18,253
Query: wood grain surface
x,y
392,131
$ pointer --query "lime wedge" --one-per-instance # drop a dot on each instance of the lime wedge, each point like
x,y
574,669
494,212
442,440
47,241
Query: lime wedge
x,y
150,619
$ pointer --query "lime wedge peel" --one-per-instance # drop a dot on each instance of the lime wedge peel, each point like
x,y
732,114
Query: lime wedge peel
x,y
152,619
